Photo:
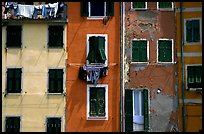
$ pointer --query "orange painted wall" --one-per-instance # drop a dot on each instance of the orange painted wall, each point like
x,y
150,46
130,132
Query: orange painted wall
x,y
78,28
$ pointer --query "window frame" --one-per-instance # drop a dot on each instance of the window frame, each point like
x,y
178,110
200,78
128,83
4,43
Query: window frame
x,y
192,43
14,47
140,39
106,46
172,51
46,121
63,82
186,73
63,37
88,102
166,9
132,8
89,17
13,116
22,74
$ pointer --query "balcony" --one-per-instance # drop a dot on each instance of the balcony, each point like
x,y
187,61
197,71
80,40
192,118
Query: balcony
x,y
34,12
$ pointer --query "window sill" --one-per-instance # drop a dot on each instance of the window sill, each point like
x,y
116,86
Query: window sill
x,y
192,43
13,47
56,93
166,62
165,9
97,118
13,94
139,9
139,62
95,17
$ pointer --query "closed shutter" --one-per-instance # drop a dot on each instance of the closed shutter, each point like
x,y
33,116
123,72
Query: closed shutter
x,y
189,31
93,102
18,80
146,109
135,51
101,46
58,125
109,8
55,36
161,54
10,77
128,111
51,81
190,76
9,125
16,124
84,9
12,124
14,36
165,5
168,51
196,30
138,4
143,51
59,77
101,101
54,124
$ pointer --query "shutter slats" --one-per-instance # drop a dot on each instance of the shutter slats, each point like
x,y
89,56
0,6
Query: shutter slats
x,y
84,9
146,109
128,111
109,8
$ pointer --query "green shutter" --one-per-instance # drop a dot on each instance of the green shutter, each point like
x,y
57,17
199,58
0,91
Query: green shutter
x,y
189,31
8,124
101,46
128,111
146,109
196,30
93,102
14,36
135,51
101,101
168,51
55,36
165,5
93,49
16,124
161,50
109,8
84,9
18,80
59,81
138,4
143,51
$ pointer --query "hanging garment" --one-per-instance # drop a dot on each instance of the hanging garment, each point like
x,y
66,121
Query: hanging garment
x,y
26,10
54,8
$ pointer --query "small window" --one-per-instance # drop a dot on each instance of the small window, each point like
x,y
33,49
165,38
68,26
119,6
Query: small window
x,y
55,81
13,37
139,5
12,124
55,36
165,52
192,30
97,49
53,124
97,102
97,9
194,76
13,80
139,51
165,5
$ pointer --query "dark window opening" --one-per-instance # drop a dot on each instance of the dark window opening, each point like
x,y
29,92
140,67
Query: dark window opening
x,y
55,36
12,124
55,81
54,124
194,76
13,37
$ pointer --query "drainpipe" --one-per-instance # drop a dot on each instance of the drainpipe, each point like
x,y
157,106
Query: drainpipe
x,y
182,67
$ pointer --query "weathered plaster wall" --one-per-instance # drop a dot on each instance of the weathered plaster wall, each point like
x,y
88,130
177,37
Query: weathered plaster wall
x,y
152,24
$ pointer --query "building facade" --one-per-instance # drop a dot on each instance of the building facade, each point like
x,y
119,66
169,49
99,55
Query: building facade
x,y
93,67
150,99
33,67
189,52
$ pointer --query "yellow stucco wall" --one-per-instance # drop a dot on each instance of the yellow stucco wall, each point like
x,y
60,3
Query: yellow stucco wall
x,y
33,104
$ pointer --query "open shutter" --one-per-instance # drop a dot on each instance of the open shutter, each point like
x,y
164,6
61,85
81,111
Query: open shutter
x,y
109,8
101,46
84,9
146,109
18,80
101,101
128,111
93,102
93,49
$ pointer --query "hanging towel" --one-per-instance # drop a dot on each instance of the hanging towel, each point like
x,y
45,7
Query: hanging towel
x,y
26,10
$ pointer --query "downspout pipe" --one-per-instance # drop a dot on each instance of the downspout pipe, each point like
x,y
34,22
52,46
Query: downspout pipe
x,y
182,67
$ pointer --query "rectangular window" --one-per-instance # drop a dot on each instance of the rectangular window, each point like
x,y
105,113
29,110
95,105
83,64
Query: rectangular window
x,y
97,102
165,50
55,81
53,124
139,5
13,80
97,9
13,37
192,30
97,49
165,5
136,110
194,76
55,36
139,50
12,124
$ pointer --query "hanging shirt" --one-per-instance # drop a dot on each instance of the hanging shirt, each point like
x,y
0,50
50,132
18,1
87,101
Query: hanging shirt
x,y
26,10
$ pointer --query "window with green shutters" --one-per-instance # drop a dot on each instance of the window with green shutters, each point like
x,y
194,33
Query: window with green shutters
x,y
192,30
55,81
96,52
136,110
53,124
194,76
163,5
139,5
55,36
89,9
12,124
13,80
97,102
13,37
139,51
165,51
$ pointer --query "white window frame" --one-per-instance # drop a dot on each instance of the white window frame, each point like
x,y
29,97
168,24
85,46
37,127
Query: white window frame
x,y
193,43
145,8
61,117
140,39
13,116
172,55
22,74
88,102
64,75
95,17
187,65
106,46
166,9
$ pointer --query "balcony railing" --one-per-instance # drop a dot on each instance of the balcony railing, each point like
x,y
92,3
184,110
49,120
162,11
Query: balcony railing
x,y
37,12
